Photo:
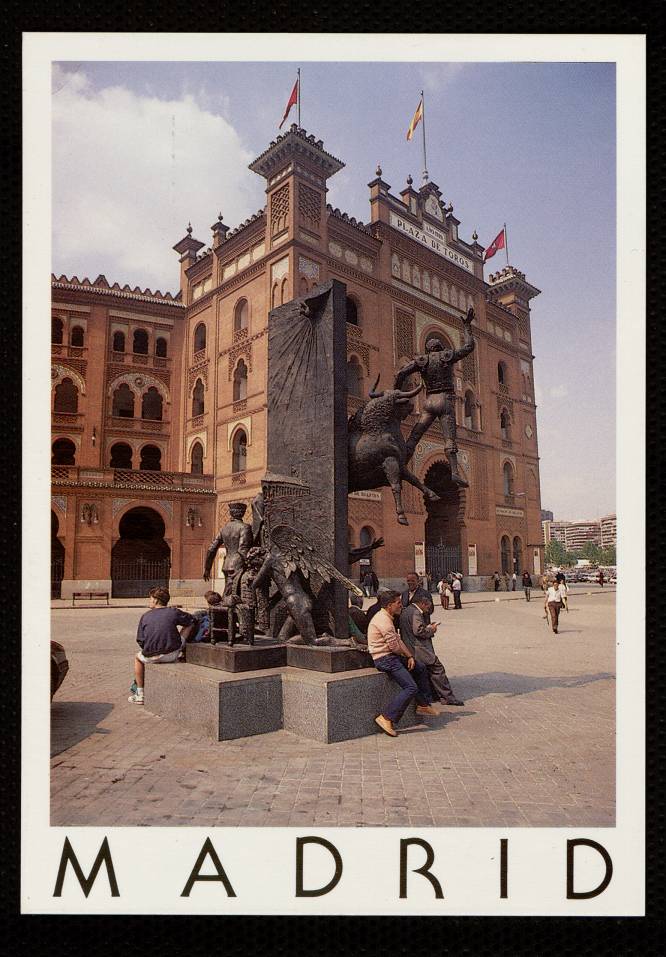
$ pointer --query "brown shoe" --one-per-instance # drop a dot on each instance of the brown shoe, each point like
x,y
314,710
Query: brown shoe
x,y
386,726
426,709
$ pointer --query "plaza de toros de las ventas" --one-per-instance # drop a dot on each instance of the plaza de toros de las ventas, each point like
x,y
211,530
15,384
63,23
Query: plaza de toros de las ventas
x,y
159,400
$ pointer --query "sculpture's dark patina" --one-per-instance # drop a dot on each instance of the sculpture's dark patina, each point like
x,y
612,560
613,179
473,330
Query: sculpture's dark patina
x,y
436,371
377,452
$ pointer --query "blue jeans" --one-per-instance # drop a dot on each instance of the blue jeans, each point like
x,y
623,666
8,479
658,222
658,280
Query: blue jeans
x,y
413,684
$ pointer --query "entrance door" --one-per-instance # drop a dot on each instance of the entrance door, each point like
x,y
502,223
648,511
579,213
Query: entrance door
x,y
57,558
140,559
442,527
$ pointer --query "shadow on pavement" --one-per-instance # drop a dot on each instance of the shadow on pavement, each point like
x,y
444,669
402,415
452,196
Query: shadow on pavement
x,y
72,721
502,682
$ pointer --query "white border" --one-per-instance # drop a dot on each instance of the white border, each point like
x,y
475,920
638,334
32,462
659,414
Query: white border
x,y
152,865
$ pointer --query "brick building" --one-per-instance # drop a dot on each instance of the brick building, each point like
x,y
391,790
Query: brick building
x,y
409,276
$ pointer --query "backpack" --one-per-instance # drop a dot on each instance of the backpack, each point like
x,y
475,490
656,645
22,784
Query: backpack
x,y
203,632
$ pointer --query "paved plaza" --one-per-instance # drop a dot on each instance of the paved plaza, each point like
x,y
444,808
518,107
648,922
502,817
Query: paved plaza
x,y
534,744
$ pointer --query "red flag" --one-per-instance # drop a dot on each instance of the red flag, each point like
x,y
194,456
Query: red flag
x,y
498,242
293,100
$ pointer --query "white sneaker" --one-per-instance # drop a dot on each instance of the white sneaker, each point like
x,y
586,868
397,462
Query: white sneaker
x,y
135,698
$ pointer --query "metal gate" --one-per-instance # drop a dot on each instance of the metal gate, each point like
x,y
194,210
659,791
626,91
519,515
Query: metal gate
x,y
442,559
57,573
134,579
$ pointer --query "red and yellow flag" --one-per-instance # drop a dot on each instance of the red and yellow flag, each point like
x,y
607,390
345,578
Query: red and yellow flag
x,y
416,119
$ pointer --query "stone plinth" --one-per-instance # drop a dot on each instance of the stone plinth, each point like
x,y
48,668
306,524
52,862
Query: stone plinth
x,y
237,658
317,705
331,660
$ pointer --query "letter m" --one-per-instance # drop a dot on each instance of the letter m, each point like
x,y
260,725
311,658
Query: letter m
x,y
103,856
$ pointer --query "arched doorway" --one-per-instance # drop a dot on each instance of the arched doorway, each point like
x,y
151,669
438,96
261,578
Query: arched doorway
x,y
57,558
442,527
518,556
140,559
505,555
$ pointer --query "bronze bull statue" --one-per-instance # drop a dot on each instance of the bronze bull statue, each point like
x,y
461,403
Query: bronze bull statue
x,y
378,453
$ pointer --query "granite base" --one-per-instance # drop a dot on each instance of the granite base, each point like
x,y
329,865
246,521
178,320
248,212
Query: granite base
x,y
329,659
317,705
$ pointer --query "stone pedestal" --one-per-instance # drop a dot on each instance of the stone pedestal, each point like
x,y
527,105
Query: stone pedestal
x,y
317,705
265,653
330,660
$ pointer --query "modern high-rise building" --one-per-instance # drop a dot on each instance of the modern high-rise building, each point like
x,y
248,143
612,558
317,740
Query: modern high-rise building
x,y
159,401
608,530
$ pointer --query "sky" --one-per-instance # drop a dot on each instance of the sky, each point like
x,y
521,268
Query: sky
x,y
141,149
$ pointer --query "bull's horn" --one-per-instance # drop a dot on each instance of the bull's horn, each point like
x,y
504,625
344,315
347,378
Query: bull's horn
x,y
372,393
411,393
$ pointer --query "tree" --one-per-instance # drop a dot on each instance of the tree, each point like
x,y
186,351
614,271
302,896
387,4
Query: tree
x,y
591,552
556,553
608,556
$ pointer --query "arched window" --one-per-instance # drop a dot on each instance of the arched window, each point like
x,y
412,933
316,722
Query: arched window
x,y
517,555
118,341
151,458
240,381
200,337
505,425
505,553
198,398
470,410
354,378
56,331
241,315
63,452
351,311
161,347
367,535
197,459
507,479
151,405
121,456
501,373
275,295
302,287
350,537
239,452
66,397
123,402
140,342
76,337
284,292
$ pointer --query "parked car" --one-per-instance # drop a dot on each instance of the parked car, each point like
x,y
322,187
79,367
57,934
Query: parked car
x,y
59,666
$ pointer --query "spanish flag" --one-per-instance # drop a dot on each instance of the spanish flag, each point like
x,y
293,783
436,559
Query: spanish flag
x,y
416,119
293,100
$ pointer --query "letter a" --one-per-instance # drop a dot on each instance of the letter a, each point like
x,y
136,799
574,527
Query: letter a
x,y
208,851
103,855
582,895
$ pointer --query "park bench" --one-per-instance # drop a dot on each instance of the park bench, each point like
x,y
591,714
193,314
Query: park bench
x,y
90,595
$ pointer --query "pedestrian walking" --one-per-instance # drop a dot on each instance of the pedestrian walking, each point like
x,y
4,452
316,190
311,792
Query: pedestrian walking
x,y
514,578
527,584
367,584
457,588
496,581
553,604
600,578
375,582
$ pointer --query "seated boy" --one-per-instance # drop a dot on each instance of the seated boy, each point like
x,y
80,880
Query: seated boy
x,y
202,617
158,637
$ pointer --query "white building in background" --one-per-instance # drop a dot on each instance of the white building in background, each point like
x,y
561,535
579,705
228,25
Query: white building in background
x,y
608,530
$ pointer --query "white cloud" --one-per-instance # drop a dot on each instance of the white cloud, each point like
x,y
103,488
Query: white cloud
x,y
130,171
558,392
439,76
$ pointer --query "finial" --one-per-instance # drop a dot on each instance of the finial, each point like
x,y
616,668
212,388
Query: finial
x,y
189,229
219,217
378,171
409,180
449,208
475,235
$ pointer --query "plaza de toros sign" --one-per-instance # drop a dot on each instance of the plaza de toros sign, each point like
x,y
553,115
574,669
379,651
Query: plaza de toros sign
x,y
433,239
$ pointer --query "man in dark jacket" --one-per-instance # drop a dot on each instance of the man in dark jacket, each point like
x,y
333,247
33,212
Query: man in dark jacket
x,y
415,588
417,635
158,637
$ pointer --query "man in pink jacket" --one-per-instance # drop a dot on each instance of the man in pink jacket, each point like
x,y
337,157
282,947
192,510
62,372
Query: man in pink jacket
x,y
392,656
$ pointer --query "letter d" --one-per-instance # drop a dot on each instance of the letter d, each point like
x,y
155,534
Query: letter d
x,y
581,895
335,854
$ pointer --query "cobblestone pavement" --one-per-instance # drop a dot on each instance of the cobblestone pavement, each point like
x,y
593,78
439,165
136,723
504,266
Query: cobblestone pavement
x,y
534,744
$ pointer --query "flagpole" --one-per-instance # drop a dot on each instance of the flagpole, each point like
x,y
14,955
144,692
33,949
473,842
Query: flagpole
x,y
299,96
425,165
506,244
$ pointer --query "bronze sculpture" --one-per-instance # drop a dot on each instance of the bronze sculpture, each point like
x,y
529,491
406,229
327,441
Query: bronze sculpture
x,y
377,450
436,371
236,537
